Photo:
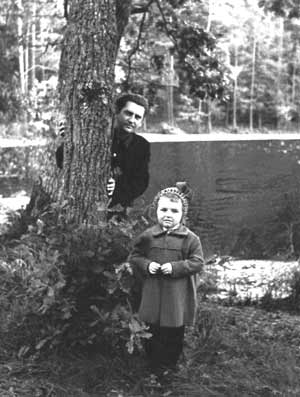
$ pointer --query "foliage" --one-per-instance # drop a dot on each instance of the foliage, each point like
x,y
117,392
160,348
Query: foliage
x,y
204,37
171,29
10,101
71,286
22,163
289,9
291,302
40,26
200,66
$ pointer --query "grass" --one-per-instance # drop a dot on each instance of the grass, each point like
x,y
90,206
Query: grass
x,y
233,351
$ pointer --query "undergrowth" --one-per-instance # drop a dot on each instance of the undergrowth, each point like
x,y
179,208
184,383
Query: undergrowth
x,y
231,352
68,326
66,286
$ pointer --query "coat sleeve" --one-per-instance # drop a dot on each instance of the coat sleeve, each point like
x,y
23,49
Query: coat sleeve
x,y
193,263
138,257
129,187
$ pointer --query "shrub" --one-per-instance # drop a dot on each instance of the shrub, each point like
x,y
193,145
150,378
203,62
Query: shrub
x,y
74,286
283,293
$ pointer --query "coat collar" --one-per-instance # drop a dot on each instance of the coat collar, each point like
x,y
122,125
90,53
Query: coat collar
x,y
124,137
158,231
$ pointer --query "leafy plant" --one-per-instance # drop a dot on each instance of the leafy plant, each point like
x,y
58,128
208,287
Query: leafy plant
x,y
74,286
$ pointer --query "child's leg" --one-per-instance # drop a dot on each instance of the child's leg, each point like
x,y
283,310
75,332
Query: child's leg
x,y
153,346
172,345
165,346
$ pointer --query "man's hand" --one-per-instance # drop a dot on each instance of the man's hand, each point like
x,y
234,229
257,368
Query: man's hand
x,y
110,187
166,268
154,267
61,128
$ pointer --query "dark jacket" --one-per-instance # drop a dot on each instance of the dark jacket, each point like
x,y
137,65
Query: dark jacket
x,y
168,300
129,164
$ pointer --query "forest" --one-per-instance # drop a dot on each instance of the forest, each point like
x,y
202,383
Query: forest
x,y
68,295
206,65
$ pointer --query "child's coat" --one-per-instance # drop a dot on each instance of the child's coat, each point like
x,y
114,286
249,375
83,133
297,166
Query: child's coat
x,y
168,300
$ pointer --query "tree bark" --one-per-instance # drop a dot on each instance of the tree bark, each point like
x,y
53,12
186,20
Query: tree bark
x,y
89,50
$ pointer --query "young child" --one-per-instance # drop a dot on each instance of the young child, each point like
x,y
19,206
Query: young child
x,y
169,256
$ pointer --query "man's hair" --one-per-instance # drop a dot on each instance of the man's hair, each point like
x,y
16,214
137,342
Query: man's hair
x,y
122,99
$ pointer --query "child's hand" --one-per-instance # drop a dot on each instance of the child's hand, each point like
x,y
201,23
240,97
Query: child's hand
x,y
154,267
167,268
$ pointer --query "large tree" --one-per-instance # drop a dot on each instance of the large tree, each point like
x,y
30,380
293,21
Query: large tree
x,y
89,50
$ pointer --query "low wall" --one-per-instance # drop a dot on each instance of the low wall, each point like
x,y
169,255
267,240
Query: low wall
x,y
243,189
246,189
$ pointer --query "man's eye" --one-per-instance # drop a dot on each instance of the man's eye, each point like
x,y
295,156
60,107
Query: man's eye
x,y
163,210
175,211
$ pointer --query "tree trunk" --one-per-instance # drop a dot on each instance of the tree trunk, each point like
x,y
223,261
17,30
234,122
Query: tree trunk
x,y
260,123
235,88
27,67
86,77
209,16
209,121
21,46
294,74
33,56
279,96
252,83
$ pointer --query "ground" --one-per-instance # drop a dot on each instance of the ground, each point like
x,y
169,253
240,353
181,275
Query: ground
x,y
234,351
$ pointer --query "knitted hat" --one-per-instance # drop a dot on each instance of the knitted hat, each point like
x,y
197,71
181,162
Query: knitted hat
x,y
181,191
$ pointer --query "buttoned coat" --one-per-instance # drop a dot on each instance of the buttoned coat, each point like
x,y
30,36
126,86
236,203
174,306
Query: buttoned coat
x,y
168,300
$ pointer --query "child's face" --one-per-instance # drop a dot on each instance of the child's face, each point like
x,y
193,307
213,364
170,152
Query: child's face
x,y
169,212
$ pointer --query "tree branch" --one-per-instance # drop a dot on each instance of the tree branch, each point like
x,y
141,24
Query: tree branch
x,y
66,13
139,9
169,34
136,47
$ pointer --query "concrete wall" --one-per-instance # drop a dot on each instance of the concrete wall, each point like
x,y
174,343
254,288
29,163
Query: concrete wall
x,y
240,187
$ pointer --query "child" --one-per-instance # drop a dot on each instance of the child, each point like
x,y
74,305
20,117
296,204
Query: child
x,y
169,256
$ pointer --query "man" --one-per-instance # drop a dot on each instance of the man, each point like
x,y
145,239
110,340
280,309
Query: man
x,y
130,152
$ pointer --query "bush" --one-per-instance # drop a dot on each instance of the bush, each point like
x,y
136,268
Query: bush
x,y
70,286
289,299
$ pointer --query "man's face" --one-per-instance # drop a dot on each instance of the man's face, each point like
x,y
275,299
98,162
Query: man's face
x,y
169,212
130,117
